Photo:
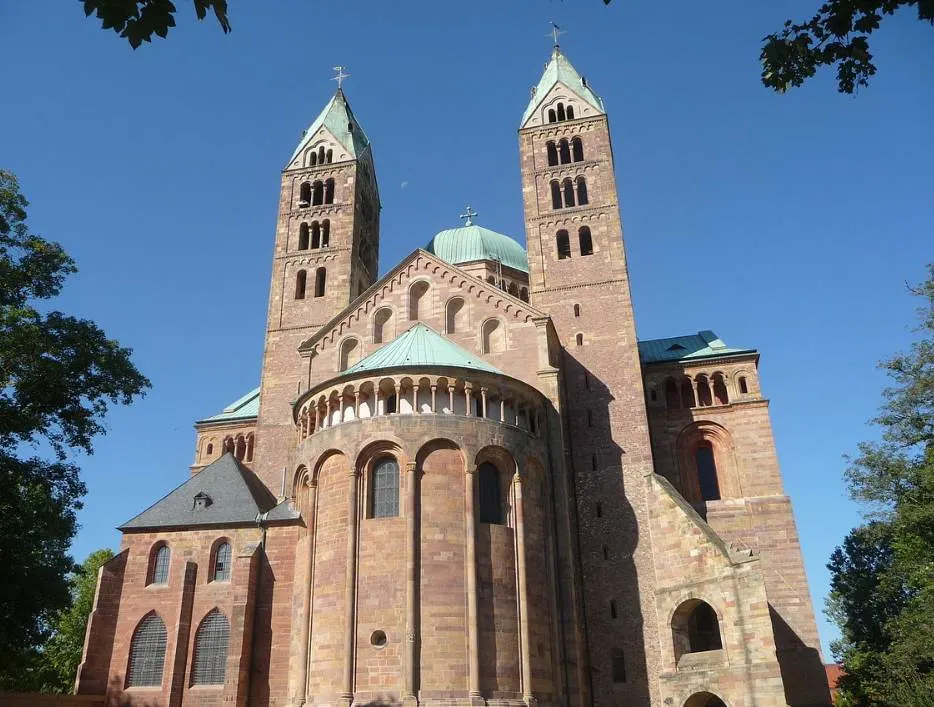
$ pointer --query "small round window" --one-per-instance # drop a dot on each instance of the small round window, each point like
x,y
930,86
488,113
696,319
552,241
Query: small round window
x,y
378,639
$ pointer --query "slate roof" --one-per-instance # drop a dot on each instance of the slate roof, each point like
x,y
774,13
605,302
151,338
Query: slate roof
x,y
336,117
242,408
236,497
469,243
703,344
559,70
420,346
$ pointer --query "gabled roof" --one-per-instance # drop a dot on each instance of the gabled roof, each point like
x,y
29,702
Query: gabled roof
x,y
559,70
418,347
242,408
467,244
703,344
235,495
337,118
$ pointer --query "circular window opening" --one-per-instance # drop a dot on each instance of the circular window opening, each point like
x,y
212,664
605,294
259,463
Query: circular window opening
x,y
378,639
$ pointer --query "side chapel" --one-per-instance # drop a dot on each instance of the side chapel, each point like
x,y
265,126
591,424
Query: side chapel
x,y
466,481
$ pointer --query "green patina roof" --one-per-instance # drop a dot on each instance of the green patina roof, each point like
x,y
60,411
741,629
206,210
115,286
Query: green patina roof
x,y
466,244
703,344
336,117
559,70
418,347
240,409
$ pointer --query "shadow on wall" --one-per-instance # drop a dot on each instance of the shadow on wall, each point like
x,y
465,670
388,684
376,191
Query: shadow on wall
x,y
117,698
803,673
607,538
261,657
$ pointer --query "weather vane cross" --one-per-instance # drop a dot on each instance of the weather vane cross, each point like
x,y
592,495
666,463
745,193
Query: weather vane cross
x,y
468,216
555,32
340,75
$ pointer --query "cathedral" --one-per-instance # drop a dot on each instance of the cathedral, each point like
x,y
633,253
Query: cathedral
x,y
466,481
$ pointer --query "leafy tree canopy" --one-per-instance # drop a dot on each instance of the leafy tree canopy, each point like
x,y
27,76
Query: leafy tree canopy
x,y
882,586
138,20
58,377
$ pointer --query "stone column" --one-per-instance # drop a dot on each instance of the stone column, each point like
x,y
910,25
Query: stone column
x,y
356,404
473,636
301,686
328,418
415,386
483,401
376,399
524,636
434,398
317,417
451,396
468,399
341,409
502,406
411,586
350,581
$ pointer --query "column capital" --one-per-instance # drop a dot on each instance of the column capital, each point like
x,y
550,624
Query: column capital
x,y
410,467
471,470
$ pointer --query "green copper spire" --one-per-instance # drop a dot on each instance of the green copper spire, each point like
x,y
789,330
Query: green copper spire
x,y
559,71
339,120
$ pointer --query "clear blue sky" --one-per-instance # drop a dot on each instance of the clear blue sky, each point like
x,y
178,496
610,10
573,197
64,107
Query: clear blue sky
x,y
787,223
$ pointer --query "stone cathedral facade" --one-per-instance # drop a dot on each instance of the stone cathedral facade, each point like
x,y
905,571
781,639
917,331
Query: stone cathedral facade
x,y
466,481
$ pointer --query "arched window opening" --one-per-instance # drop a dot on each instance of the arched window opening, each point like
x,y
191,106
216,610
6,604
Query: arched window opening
x,y
703,392
618,666
513,289
552,118
524,294
491,280
577,149
318,194
687,393
719,390
491,504
228,445
563,241
695,628
561,113
555,195
350,353
564,151
743,387
552,152
240,452
582,198
304,194
325,233
147,653
612,608
159,560
301,277
653,394
417,294
209,663
329,157
390,406
454,315
312,159
570,112
382,325
577,310
210,449
315,234
478,407
585,239
303,237
672,396
385,497
704,699
494,336
568,192
321,275
329,192
321,155
707,471
580,339
221,571
249,447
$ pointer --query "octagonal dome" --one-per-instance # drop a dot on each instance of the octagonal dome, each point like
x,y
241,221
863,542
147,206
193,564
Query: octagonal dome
x,y
467,244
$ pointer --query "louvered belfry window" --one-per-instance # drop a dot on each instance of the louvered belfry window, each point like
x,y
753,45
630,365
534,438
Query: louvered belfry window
x,y
210,660
147,653
160,565
222,563
386,488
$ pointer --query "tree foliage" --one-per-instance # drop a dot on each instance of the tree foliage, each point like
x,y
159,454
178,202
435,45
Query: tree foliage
x,y
138,20
837,35
882,587
58,377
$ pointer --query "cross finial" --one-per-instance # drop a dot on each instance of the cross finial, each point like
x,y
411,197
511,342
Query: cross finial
x,y
468,216
340,75
555,31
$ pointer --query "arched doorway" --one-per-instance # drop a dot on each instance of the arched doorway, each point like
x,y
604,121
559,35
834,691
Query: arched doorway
x,y
704,699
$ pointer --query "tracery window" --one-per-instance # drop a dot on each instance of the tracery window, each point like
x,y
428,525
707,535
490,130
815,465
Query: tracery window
x,y
209,664
159,564
221,569
147,653
385,498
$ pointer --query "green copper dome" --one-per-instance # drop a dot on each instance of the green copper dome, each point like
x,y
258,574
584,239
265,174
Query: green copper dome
x,y
469,243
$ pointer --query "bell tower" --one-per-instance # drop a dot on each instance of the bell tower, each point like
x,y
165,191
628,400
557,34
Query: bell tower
x,y
578,275
326,253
